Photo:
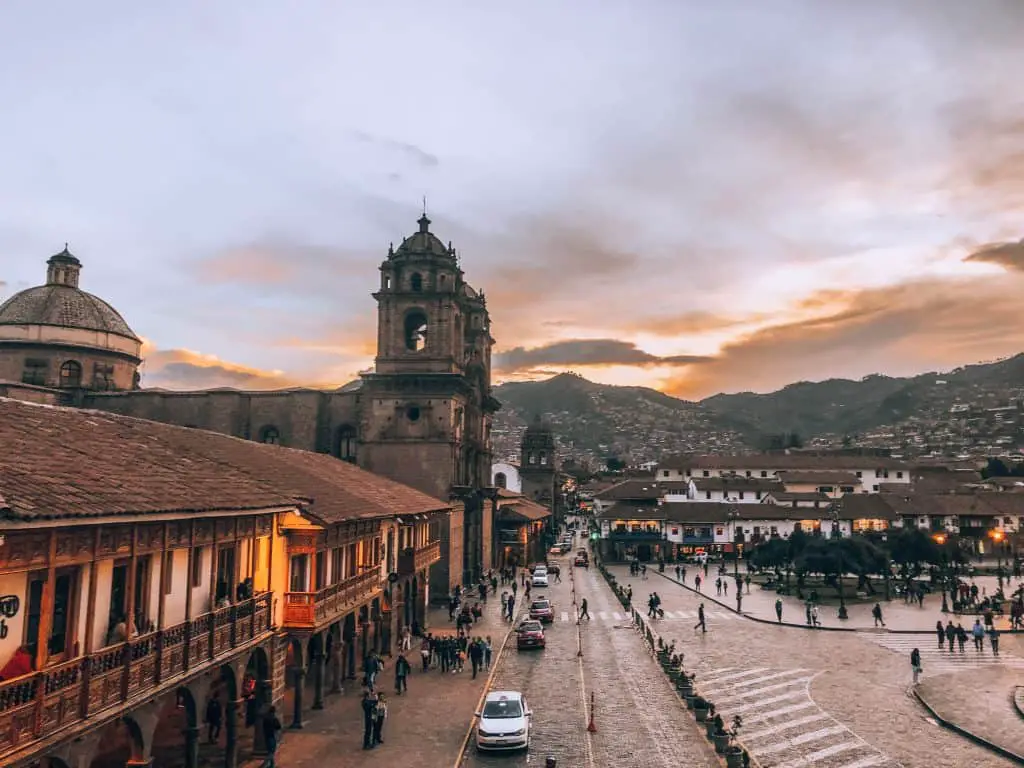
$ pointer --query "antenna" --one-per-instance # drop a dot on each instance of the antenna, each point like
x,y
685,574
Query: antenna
x,y
424,205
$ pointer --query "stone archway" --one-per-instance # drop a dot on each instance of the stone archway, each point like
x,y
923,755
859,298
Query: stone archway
x,y
256,700
118,743
316,653
334,655
177,720
349,633
295,682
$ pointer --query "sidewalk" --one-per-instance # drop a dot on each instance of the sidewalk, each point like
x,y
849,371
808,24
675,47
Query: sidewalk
x,y
986,712
760,603
425,727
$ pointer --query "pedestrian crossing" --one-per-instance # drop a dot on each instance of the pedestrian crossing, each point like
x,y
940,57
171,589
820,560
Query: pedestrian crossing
x,y
619,617
936,661
782,725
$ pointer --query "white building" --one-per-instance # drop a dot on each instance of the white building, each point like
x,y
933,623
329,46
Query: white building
x,y
506,475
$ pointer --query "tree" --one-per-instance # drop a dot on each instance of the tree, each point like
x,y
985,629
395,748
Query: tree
x,y
995,468
911,549
615,464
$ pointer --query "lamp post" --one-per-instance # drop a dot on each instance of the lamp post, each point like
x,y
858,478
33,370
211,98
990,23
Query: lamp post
x,y
834,512
997,542
940,539
734,514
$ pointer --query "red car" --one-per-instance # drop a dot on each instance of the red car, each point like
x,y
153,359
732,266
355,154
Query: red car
x,y
541,610
581,560
530,635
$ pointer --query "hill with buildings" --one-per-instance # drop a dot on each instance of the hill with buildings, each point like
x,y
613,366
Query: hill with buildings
x,y
974,410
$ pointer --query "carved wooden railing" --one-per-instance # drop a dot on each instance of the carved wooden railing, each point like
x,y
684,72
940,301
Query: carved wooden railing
x,y
428,555
38,704
305,610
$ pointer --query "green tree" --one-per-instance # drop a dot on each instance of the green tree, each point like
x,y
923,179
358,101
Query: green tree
x,y
615,464
995,468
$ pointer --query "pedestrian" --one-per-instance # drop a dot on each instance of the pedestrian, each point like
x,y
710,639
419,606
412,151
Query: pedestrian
x,y
271,728
778,609
725,587
748,583
629,593
682,577
993,639
406,638
739,601
371,666
643,572
700,619
369,705
915,664
814,616
488,652
961,637
718,586
940,633
951,635
678,573
583,610
876,612
214,717
696,581
476,656
978,632
378,721
511,604
402,670
425,652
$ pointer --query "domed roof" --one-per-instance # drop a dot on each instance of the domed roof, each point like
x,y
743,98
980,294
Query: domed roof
x,y
424,243
62,303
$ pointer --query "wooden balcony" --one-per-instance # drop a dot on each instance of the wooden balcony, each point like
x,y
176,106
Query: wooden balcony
x,y
309,610
428,555
37,705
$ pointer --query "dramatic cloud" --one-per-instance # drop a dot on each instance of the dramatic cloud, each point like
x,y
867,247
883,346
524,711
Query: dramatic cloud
x,y
183,369
1008,255
901,330
585,352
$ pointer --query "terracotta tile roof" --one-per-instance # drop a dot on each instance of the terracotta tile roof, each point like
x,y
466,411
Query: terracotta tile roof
x,y
782,497
625,511
780,461
527,510
736,483
641,489
64,462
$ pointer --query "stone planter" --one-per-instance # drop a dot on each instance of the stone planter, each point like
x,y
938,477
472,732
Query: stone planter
x,y
721,742
674,674
701,714
710,728
734,758
689,696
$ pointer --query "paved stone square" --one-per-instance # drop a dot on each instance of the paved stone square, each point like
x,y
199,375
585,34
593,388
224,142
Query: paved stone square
x,y
816,698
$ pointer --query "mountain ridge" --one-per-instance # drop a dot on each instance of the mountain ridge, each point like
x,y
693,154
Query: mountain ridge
x,y
617,420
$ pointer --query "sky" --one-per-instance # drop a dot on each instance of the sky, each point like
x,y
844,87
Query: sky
x,y
698,197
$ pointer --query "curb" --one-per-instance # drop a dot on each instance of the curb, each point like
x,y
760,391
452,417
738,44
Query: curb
x,y
970,735
759,620
487,687
1018,699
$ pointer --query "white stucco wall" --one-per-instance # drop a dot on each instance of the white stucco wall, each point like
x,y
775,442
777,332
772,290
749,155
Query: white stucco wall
x,y
13,584
512,479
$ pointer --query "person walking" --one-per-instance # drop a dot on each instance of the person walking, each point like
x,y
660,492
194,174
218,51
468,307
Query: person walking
x,y
748,583
378,721
700,620
778,609
271,729
876,613
369,706
993,640
214,717
678,574
476,655
697,580
978,632
583,610
915,664
402,670
951,635
718,586
940,633
488,652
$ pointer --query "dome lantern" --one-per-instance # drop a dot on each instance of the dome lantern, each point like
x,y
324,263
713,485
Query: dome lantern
x,y
63,269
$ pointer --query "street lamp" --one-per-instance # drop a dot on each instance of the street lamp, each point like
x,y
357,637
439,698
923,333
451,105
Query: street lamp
x,y
997,539
834,512
940,539
734,514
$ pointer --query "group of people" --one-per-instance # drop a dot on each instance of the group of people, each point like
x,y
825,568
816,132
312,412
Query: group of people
x,y
948,634
449,653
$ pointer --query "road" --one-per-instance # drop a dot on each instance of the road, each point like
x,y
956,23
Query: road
x,y
635,706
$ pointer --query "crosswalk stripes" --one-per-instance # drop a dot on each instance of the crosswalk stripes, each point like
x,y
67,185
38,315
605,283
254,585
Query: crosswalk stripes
x,y
783,727
615,616
935,661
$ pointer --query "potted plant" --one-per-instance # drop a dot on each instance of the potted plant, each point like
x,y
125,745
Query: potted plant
x,y
725,743
736,757
685,683
700,708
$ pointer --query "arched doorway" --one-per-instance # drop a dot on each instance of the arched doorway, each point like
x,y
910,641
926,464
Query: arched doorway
x,y
219,736
295,683
177,724
348,637
407,608
119,741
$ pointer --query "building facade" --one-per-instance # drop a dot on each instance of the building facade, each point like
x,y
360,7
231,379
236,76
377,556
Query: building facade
x,y
422,417
168,568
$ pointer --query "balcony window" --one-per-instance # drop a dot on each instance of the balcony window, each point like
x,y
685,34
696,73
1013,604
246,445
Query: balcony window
x,y
336,562
321,571
35,372
298,580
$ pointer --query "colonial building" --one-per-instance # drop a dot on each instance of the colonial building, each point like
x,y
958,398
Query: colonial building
x,y
148,569
539,466
519,526
506,475
58,337
421,417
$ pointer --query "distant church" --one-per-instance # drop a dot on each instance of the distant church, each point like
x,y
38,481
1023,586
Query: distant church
x,y
422,417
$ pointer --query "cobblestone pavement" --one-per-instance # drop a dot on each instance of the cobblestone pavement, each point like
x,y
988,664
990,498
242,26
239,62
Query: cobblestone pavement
x,y
425,727
761,603
822,699
987,712
639,719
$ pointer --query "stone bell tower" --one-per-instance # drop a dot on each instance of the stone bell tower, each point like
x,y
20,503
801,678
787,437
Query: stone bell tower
x,y
427,406
538,466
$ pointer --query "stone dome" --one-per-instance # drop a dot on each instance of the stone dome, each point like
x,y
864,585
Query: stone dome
x,y
60,302
424,243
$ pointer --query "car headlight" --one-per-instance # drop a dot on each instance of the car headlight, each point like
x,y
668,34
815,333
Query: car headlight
x,y
520,732
485,734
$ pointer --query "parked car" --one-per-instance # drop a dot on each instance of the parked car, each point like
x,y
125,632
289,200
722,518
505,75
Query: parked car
x,y
504,722
530,635
540,577
557,550
542,611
